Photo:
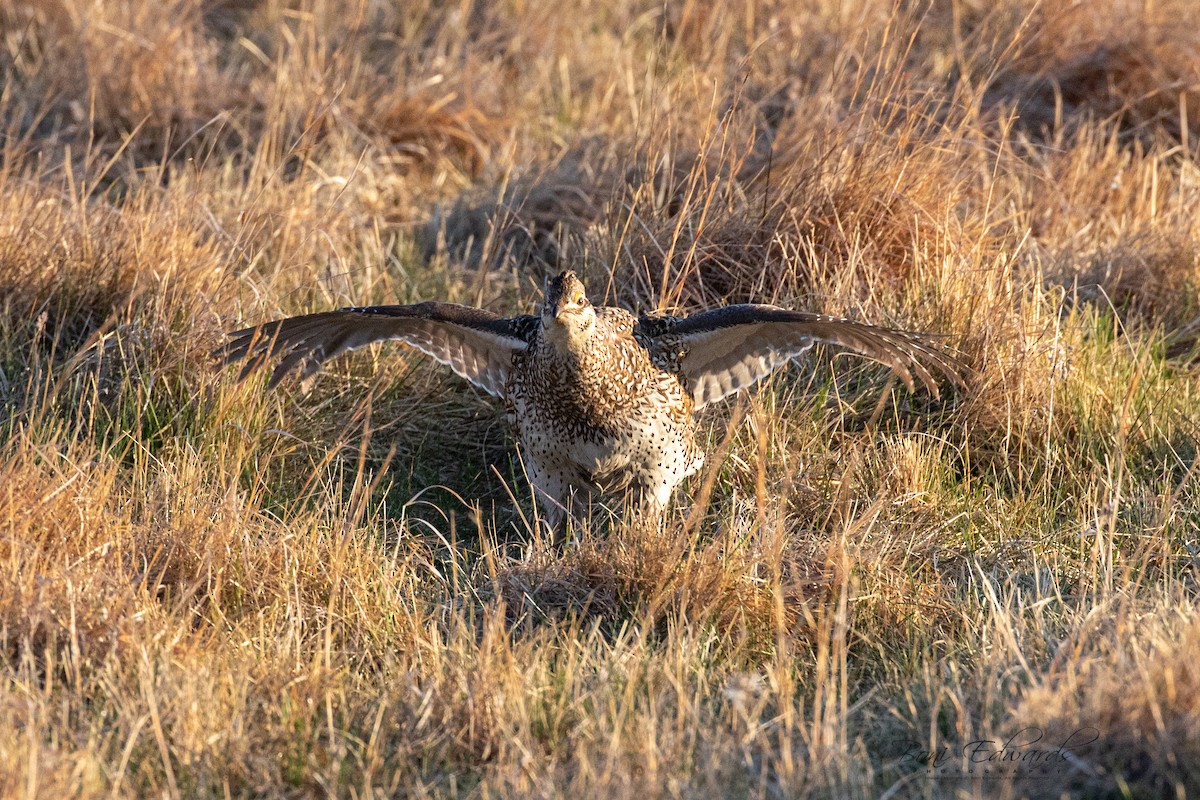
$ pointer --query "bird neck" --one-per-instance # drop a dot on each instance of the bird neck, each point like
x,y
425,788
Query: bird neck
x,y
567,343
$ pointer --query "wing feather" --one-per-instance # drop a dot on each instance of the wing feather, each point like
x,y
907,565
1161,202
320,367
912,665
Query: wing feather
x,y
476,344
721,351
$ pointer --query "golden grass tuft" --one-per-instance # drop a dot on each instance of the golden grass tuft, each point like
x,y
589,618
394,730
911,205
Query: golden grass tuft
x,y
1128,68
1134,693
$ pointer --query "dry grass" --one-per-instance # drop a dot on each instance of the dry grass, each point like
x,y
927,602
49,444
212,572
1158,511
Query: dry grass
x,y
209,590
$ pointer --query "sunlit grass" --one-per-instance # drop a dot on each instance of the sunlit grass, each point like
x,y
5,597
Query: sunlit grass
x,y
341,589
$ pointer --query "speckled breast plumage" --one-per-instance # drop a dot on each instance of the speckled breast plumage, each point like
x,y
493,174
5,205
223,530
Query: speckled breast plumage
x,y
606,417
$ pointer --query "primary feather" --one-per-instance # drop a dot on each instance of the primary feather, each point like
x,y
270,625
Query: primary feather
x,y
731,348
476,344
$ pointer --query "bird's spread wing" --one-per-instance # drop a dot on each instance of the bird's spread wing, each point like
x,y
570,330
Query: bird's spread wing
x,y
721,351
476,344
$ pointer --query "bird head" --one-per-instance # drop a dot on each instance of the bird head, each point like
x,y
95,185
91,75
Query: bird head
x,y
566,307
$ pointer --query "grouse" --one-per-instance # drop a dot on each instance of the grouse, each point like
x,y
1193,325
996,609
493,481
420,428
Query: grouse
x,y
603,401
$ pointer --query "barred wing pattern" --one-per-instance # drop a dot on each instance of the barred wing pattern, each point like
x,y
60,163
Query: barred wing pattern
x,y
721,351
476,344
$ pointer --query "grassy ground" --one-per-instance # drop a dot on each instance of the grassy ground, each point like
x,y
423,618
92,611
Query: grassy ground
x,y
209,590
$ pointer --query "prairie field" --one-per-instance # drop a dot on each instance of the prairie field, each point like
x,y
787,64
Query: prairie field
x,y
340,588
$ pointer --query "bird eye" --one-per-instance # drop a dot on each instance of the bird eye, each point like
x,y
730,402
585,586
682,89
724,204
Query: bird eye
x,y
579,299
